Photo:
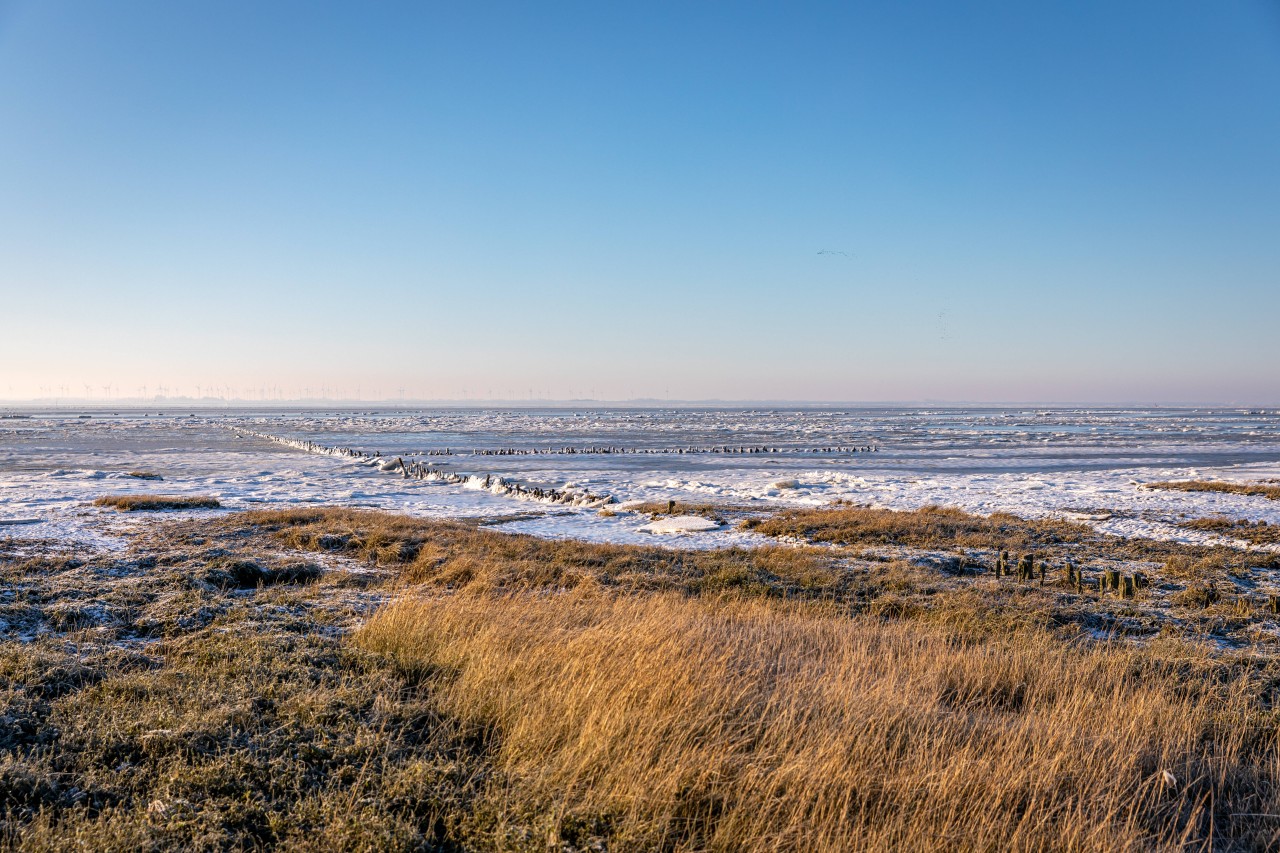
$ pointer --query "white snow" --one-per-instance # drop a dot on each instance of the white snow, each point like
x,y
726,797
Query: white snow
x,y
1083,464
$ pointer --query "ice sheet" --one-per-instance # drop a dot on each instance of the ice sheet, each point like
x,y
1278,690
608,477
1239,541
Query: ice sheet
x,y
1082,463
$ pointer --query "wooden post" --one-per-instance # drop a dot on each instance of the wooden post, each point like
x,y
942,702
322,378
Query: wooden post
x,y
671,507
1127,590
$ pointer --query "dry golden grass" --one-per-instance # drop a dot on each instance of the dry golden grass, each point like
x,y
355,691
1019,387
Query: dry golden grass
x,y
675,723
136,503
1268,490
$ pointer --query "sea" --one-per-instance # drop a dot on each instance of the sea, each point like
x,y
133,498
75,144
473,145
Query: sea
x,y
1086,464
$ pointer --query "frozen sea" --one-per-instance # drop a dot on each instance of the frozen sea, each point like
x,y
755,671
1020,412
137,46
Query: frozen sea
x,y
1085,464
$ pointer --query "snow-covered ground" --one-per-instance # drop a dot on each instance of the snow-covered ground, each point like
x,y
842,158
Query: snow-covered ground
x,y
1086,464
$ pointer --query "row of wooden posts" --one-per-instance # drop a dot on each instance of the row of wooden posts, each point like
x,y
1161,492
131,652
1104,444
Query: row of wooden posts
x,y
654,451
1110,580
1028,570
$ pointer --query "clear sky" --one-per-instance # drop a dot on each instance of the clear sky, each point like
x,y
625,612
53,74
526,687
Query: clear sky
x,y
1032,201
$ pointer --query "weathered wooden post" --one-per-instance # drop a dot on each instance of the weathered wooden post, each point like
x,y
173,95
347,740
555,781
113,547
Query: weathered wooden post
x,y
671,507
1127,590
1273,603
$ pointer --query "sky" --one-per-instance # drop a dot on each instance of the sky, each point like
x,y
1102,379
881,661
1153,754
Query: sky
x,y
1051,201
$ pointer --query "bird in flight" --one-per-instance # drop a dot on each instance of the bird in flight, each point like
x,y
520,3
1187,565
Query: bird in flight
x,y
834,252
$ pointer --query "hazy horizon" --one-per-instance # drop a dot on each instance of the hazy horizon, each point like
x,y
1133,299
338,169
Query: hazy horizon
x,y
917,202
587,402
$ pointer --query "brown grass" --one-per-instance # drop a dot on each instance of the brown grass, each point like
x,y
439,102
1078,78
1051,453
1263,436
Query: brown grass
x,y
136,503
145,475
456,555
929,527
201,692
724,724
935,527
706,510
1267,490
1253,532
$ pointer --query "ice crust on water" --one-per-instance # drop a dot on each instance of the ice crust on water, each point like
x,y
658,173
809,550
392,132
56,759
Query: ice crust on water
x,y
1064,463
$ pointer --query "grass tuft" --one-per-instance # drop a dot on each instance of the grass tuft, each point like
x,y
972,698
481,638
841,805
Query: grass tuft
x,y
1267,490
137,503
1253,532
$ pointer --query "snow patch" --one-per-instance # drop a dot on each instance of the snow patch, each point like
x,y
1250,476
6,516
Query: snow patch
x,y
681,524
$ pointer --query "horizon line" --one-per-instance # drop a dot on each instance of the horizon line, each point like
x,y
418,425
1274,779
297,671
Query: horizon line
x,y
137,403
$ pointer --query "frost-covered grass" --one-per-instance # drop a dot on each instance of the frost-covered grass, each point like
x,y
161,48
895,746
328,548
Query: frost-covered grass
x,y
341,679
137,503
1267,489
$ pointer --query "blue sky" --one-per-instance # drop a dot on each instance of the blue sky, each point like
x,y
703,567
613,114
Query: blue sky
x,y
949,201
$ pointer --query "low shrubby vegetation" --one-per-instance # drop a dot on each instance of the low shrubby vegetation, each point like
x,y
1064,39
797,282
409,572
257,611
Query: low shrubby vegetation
x,y
137,503
345,679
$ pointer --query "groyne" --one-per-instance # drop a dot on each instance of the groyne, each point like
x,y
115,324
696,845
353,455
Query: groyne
x,y
412,469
